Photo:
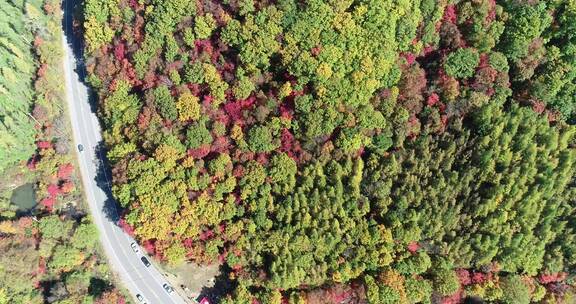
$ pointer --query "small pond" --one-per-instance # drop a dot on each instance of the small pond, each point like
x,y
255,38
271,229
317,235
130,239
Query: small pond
x,y
24,197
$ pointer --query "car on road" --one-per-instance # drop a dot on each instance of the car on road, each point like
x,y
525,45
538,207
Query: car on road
x,y
134,247
168,288
80,148
140,299
145,261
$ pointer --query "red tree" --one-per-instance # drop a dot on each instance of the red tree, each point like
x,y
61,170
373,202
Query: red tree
x,y
551,278
464,277
43,144
48,203
53,190
65,170
149,247
126,227
413,247
450,14
119,51
432,99
67,187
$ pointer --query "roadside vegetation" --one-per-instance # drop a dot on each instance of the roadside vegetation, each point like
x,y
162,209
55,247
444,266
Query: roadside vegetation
x,y
48,253
16,91
325,151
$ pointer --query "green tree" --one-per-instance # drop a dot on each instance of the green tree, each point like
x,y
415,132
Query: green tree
x,y
462,63
165,102
65,258
78,282
351,140
175,254
388,295
514,290
220,165
282,172
254,178
525,23
418,290
445,281
243,88
85,236
260,139
414,264
52,227
17,127
194,73
204,26
3,296
198,135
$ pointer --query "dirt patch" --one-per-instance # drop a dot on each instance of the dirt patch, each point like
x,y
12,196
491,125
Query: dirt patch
x,y
189,278
13,177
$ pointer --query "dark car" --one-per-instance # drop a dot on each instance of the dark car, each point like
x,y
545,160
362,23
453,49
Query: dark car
x,y
80,148
145,261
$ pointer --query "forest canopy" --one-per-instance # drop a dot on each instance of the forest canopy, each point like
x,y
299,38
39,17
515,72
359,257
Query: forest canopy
x,y
365,150
18,20
49,251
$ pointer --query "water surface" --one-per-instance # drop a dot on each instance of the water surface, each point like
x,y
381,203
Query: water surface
x,y
24,197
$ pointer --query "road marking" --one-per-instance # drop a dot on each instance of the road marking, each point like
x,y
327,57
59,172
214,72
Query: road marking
x,y
86,181
95,128
112,235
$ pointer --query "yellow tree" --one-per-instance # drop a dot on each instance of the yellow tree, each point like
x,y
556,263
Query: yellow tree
x,y
154,220
188,107
167,155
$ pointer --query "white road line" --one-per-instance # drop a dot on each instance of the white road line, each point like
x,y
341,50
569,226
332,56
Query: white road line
x,y
133,273
91,151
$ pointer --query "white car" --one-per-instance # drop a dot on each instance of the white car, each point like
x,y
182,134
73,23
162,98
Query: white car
x,y
168,288
134,247
140,299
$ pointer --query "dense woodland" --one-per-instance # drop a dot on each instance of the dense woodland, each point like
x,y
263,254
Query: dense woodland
x,y
346,151
16,74
49,254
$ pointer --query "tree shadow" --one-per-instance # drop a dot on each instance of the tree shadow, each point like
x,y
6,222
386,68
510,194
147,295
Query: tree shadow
x,y
103,179
74,10
473,300
97,287
222,286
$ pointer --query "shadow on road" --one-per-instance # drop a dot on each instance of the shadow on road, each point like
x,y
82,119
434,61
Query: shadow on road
x,y
104,181
73,10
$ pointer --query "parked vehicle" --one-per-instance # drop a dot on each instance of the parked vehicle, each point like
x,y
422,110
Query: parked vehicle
x,y
145,261
168,288
134,247
80,148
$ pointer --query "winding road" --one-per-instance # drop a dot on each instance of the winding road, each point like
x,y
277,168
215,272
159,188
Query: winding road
x,y
135,276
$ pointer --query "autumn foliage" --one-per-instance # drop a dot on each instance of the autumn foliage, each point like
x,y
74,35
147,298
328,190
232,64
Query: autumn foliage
x,y
361,151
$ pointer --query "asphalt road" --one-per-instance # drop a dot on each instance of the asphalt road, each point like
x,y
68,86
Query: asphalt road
x,y
137,278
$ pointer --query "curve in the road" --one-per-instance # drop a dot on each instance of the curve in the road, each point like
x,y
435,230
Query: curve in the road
x,y
137,278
